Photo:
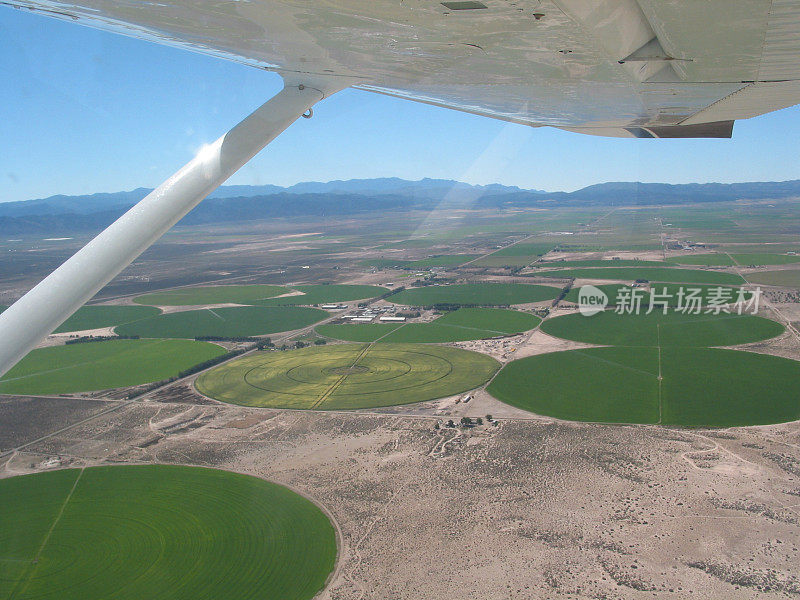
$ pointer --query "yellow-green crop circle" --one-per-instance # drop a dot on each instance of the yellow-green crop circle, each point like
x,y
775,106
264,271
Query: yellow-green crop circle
x,y
347,376
157,531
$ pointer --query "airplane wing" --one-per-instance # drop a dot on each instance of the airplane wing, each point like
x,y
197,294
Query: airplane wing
x,y
624,68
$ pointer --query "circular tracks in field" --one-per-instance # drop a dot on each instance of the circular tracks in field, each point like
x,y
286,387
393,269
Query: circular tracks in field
x,y
165,532
347,376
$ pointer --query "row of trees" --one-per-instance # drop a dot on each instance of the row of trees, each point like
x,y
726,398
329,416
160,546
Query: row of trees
x,y
466,422
99,338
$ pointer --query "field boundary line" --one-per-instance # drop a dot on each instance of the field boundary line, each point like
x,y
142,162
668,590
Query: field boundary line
x,y
35,560
211,310
660,377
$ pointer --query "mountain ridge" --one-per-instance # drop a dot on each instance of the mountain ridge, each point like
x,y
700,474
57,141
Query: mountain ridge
x,y
67,214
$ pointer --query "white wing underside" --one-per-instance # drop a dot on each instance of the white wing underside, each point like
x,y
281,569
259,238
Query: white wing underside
x,y
629,68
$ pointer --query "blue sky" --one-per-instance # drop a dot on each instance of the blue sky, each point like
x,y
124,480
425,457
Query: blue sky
x,y
83,111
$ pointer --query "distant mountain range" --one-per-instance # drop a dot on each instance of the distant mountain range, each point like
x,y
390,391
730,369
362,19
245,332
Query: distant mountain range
x,y
68,214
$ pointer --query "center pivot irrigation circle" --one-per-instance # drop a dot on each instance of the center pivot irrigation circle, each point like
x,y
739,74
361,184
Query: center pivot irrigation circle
x,y
347,376
158,531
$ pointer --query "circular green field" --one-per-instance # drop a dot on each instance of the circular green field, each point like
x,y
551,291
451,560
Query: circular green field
x,y
459,325
162,532
487,294
697,387
213,294
347,376
103,365
657,329
231,321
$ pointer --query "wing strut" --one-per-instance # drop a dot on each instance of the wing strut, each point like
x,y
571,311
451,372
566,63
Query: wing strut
x,y
51,302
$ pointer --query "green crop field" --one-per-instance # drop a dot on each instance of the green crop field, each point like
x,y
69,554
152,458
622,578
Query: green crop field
x,y
217,294
727,388
103,365
459,325
785,278
490,319
363,332
611,290
321,294
668,292
699,386
667,275
475,293
758,259
229,321
709,260
95,317
504,261
347,376
386,263
525,249
558,264
103,315
656,329
155,531
614,385
444,260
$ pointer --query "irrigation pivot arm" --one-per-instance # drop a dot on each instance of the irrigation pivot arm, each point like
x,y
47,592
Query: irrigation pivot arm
x,y
54,299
